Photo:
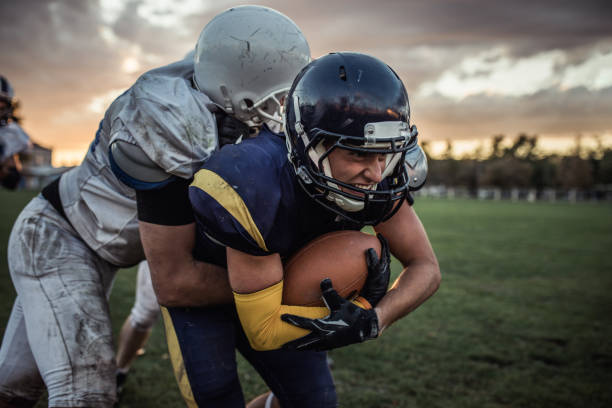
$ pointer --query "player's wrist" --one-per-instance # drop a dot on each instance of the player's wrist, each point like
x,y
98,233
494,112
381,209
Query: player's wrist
x,y
381,326
373,324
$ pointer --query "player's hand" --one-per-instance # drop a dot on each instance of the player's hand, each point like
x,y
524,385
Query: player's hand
x,y
379,273
230,129
346,324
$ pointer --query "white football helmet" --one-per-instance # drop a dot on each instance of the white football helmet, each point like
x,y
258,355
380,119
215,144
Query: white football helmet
x,y
246,59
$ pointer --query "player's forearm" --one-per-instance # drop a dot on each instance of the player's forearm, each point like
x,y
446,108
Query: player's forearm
x,y
178,279
415,285
191,283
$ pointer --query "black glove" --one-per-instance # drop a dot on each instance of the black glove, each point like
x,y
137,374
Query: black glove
x,y
379,273
346,324
230,129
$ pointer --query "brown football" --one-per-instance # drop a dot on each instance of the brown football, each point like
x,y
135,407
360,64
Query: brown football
x,y
338,255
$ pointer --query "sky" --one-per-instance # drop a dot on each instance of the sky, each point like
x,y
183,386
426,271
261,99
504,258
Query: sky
x,y
472,68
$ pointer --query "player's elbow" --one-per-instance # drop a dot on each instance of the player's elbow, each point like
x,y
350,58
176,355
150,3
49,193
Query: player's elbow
x,y
168,296
435,274
259,332
260,342
167,300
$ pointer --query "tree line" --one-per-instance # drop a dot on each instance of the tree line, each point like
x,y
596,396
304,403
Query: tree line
x,y
521,165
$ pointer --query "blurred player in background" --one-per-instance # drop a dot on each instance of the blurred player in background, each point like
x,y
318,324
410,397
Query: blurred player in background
x,y
13,139
129,197
348,159
137,327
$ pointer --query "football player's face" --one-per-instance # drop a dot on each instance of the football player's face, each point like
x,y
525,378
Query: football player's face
x,y
363,170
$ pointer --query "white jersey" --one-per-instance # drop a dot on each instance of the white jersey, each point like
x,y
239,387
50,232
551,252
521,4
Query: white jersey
x,y
12,140
170,121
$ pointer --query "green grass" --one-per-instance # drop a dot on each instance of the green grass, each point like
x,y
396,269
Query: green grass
x,y
523,317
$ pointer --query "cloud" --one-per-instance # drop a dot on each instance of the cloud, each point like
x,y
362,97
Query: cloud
x,y
99,103
495,73
594,74
575,111
472,67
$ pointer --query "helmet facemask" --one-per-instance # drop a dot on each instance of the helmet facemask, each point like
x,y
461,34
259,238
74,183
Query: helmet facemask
x,y
267,110
393,139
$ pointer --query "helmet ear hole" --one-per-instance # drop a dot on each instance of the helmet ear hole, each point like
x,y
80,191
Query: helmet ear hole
x,y
248,103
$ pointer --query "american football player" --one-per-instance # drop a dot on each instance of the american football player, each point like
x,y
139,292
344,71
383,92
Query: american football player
x,y
138,325
348,158
13,139
67,243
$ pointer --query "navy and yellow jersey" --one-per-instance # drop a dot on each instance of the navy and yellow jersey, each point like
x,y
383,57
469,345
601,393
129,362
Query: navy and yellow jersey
x,y
247,197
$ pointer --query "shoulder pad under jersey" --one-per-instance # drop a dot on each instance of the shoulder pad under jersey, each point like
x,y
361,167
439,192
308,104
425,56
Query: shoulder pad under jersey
x,y
134,168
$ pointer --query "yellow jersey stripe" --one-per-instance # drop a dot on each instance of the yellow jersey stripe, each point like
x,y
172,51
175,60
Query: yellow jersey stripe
x,y
177,360
212,184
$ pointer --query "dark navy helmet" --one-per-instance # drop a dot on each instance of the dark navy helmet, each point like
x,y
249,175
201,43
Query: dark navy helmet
x,y
6,90
7,96
356,102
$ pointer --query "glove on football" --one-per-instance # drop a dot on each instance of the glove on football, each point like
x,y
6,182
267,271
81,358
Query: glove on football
x,y
346,324
379,273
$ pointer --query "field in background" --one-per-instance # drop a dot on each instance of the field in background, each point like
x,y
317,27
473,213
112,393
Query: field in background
x,y
523,317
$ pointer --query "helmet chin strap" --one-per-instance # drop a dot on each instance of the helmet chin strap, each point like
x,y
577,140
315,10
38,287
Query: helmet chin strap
x,y
347,204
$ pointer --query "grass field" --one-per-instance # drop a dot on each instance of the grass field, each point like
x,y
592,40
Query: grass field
x,y
523,317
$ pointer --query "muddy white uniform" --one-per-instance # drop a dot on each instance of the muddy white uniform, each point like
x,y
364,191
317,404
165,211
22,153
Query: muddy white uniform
x,y
63,265
12,140
145,311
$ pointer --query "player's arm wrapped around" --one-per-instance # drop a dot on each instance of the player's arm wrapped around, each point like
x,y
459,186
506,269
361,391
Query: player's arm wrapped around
x,y
260,316
346,323
260,313
341,323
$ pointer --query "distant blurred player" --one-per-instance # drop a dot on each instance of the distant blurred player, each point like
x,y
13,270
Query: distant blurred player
x,y
13,139
138,325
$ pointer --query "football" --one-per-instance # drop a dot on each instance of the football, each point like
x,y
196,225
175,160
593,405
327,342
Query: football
x,y
338,255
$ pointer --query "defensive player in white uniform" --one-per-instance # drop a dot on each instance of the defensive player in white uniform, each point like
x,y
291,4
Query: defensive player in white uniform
x,y
67,243
138,325
13,139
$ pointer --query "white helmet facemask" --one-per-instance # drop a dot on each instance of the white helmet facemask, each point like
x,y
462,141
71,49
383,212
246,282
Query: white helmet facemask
x,y
269,111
